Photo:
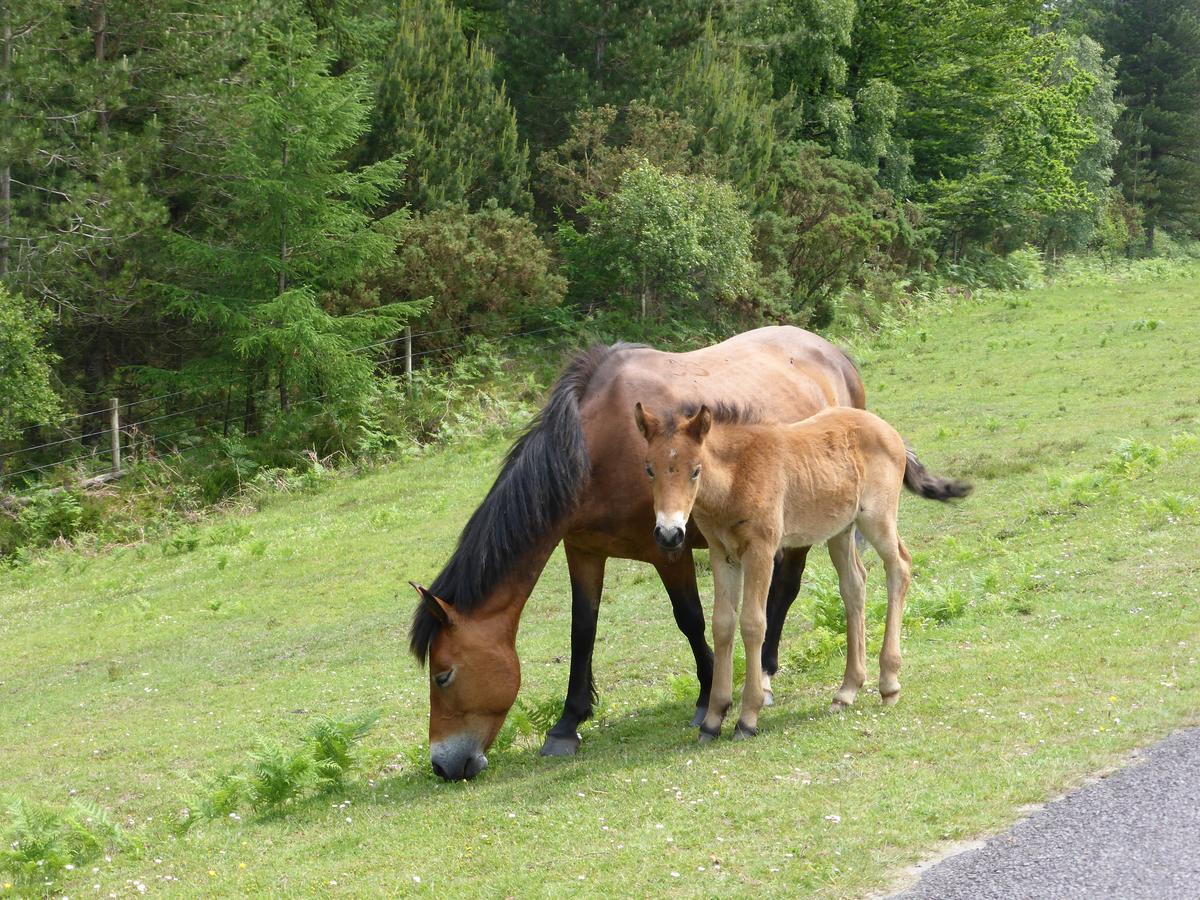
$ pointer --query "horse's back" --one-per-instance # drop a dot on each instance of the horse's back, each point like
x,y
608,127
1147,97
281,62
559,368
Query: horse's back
x,y
785,373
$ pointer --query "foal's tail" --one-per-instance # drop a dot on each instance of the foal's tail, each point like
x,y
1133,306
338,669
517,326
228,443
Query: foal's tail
x,y
924,483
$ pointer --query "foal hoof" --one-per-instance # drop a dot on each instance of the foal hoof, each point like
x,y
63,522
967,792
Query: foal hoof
x,y
890,699
837,706
742,731
560,746
768,698
698,718
707,737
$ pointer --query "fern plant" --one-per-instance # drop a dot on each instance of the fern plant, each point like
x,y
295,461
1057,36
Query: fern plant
x,y
332,744
38,842
277,775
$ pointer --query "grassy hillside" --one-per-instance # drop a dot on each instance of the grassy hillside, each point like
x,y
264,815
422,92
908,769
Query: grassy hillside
x,y
1053,625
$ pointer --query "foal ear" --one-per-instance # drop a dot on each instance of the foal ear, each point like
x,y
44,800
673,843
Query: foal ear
x,y
697,426
647,422
438,608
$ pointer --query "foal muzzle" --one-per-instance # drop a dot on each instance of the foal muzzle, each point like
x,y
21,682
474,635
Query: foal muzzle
x,y
669,537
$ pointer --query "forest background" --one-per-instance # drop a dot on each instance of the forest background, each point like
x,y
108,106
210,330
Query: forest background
x,y
240,218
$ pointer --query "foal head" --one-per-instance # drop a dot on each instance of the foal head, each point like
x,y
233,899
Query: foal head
x,y
673,451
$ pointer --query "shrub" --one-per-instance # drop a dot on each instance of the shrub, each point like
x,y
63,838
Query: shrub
x,y
829,225
478,268
661,239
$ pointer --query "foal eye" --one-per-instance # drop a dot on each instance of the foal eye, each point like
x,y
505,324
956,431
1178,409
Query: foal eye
x,y
695,473
650,471
441,679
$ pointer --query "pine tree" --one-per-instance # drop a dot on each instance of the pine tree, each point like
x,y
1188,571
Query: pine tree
x,y
286,224
734,116
1158,42
439,103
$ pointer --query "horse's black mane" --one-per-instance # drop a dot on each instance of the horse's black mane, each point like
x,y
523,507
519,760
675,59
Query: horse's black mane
x,y
539,482
723,413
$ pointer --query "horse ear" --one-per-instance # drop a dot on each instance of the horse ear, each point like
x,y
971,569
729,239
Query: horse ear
x,y
697,426
438,608
647,422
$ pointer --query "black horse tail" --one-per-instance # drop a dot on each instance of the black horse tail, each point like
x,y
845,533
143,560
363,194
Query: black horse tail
x,y
925,484
539,484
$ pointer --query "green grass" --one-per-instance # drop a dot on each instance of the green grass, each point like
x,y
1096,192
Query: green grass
x,y
1053,626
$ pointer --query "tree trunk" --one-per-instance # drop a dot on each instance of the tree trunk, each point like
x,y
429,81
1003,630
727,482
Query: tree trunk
x,y
250,412
6,168
99,37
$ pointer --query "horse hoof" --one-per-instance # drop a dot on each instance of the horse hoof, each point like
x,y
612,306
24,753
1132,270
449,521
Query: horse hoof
x,y
741,732
890,699
698,718
560,746
837,706
706,738
768,698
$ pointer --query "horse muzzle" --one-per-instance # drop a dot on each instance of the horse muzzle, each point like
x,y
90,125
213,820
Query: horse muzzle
x,y
457,759
669,537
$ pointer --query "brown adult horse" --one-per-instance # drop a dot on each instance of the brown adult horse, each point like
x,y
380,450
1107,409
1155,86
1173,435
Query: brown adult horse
x,y
575,476
753,487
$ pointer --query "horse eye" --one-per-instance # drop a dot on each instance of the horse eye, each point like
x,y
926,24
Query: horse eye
x,y
650,471
441,679
695,473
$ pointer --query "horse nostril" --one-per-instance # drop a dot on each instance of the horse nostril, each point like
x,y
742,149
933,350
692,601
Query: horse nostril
x,y
440,772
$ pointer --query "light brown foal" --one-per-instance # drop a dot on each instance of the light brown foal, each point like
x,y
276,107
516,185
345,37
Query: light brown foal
x,y
755,487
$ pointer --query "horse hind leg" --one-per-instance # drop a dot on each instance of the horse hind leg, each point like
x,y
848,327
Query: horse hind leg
x,y
785,585
897,563
852,577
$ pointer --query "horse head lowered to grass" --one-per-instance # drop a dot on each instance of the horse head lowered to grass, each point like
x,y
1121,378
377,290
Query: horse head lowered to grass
x,y
575,476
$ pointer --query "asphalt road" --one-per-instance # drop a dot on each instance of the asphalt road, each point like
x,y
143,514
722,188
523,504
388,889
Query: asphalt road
x,y
1134,834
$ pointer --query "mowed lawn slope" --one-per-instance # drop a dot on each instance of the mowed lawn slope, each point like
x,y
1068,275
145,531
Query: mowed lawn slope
x,y
1054,625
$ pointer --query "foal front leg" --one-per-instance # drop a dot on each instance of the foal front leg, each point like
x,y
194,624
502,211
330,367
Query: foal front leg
x,y
757,564
727,588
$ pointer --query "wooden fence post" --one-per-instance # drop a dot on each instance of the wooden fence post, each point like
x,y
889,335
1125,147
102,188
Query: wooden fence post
x,y
408,358
114,425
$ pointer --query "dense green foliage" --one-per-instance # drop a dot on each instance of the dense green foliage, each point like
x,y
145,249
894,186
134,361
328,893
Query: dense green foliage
x,y
238,208
25,366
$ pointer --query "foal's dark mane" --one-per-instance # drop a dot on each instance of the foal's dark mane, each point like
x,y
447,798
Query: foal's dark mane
x,y
723,414
538,485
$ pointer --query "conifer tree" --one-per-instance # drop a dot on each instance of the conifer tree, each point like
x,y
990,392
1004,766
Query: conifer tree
x,y
439,103
286,224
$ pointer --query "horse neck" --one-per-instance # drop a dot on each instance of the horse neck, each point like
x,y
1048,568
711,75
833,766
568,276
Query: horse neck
x,y
724,449
507,599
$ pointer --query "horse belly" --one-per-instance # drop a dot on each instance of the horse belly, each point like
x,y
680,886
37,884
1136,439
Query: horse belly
x,y
818,523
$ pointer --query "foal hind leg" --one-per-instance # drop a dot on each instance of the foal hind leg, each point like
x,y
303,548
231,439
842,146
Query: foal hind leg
x,y
852,577
897,563
727,588
785,585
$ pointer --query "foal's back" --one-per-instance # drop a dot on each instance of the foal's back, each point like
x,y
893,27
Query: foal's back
x,y
838,464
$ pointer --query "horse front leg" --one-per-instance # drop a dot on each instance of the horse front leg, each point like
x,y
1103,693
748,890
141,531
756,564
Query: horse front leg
x,y
757,565
587,581
785,586
727,589
679,578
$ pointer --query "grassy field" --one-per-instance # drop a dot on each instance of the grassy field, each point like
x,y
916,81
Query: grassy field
x,y
1053,625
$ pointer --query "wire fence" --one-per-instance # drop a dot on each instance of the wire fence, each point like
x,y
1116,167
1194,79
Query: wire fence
x,y
102,455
